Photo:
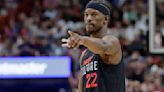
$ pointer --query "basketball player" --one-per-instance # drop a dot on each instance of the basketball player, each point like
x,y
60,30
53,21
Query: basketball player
x,y
102,69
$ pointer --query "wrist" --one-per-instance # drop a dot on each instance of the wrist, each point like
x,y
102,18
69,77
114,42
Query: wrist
x,y
82,40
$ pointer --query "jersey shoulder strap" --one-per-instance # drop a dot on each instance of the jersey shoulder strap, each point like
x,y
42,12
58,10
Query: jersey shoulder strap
x,y
81,57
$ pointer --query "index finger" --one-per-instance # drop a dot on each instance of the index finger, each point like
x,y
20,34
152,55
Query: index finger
x,y
71,33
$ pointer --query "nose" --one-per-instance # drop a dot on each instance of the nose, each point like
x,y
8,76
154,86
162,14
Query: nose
x,y
89,18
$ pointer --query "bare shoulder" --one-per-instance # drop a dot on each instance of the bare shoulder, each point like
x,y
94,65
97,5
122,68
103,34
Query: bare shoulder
x,y
114,51
111,39
112,43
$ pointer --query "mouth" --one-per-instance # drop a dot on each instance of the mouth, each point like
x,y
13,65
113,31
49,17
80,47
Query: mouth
x,y
90,25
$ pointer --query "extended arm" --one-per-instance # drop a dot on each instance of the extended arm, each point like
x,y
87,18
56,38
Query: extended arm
x,y
105,47
108,45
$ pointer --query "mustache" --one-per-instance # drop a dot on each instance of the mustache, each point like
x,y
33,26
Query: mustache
x,y
89,24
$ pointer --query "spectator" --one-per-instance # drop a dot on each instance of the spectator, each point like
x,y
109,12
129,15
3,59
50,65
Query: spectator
x,y
35,28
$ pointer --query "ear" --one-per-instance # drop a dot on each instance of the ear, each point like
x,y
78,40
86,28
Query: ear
x,y
106,19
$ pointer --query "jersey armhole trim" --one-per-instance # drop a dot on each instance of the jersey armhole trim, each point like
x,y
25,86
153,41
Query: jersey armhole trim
x,y
81,57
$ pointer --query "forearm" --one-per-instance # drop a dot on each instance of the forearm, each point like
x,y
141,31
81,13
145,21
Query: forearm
x,y
96,45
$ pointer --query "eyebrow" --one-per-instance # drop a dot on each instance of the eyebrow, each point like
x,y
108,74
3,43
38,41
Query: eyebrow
x,y
85,12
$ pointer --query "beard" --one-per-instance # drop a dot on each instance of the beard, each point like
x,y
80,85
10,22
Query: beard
x,y
92,29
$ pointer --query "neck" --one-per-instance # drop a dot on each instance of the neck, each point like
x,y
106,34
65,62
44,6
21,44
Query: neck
x,y
100,33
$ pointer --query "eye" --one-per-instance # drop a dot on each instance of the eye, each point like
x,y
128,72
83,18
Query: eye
x,y
94,14
86,14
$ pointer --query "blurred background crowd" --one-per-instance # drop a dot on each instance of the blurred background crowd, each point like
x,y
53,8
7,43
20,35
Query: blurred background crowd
x,y
36,27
